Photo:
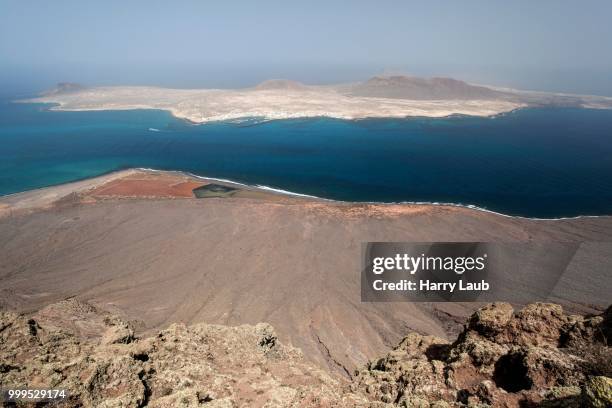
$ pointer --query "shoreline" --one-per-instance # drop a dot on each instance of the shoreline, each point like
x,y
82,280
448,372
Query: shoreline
x,y
378,97
90,183
271,103
57,106
60,107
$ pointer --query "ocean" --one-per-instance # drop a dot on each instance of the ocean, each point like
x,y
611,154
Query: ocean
x,y
535,162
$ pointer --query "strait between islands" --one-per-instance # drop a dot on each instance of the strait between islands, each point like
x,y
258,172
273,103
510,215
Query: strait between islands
x,y
139,244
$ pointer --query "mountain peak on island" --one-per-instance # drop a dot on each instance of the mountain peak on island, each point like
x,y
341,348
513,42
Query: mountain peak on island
x,y
64,88
409,87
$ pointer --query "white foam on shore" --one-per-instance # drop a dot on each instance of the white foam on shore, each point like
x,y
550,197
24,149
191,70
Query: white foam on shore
x,y
236,183
433,203
291,193
281,191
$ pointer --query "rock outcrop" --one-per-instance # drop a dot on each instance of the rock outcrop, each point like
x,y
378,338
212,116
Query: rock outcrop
x,y
538,356
97,359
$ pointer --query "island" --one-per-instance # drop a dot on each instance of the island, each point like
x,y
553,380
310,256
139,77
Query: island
x,y
378,97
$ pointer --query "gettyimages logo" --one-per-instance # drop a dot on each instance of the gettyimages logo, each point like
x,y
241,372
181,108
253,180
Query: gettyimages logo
x,y
462,271
412,264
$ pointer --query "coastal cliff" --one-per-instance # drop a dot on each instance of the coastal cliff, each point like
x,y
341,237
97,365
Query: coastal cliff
x,y
538,356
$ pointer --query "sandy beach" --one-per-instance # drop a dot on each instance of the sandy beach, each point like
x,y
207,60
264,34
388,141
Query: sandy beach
x,y
137,243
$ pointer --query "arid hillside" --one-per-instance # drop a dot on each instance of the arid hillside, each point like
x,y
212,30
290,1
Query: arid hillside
x,y
134,243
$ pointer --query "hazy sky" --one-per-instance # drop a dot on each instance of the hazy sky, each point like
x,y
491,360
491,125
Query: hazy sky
x,y
538,44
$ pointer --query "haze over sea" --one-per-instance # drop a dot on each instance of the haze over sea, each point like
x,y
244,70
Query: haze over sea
x,y
534,162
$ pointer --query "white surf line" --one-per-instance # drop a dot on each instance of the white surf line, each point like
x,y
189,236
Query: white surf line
x,y
236,183
433,203
291,193
475,207
281,191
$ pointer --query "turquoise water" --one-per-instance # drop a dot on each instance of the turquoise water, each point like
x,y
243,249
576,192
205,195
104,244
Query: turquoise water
x,y
532,162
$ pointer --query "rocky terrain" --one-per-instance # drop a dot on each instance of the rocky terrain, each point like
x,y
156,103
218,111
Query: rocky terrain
x,y
537,356
95,356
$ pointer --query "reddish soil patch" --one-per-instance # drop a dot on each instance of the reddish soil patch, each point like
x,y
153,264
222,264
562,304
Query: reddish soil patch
x,y
163,187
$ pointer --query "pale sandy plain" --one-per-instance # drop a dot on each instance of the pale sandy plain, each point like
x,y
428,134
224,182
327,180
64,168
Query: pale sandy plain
x,y
378,97
208,105
135,243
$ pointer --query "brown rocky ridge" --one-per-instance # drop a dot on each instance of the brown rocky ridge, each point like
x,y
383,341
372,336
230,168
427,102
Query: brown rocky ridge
x,y
408,87
536,357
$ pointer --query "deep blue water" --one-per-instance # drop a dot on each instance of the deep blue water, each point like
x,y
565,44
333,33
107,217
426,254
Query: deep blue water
x,y
532,162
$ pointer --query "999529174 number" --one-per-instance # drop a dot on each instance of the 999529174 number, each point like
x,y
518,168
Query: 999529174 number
x,y
37,394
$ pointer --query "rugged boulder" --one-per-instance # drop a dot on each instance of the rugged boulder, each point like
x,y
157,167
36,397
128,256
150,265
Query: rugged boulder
x,y
597,392
538,356
97,359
